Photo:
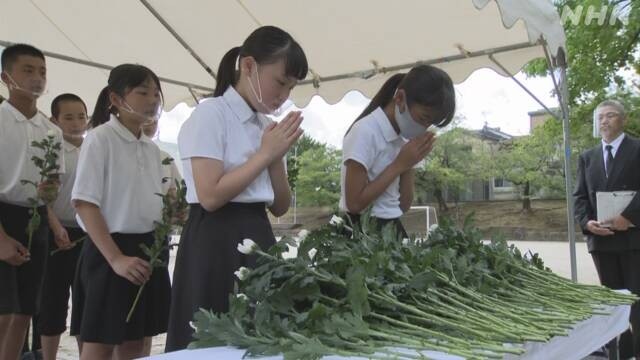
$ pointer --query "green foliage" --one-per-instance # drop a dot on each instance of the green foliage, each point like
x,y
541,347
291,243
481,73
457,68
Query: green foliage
x,y
319,177
456,158
174,213
371,294
47,187
597,52
603,62
535,160
305,143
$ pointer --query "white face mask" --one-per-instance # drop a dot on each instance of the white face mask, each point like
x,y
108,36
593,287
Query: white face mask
x,y
409,128
258,96
15,86
68,136
150,118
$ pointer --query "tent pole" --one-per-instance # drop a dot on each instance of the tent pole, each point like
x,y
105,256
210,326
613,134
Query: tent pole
x,y
179,38
193,94
562,94
368,73
563,99
108,67
493,59
564,102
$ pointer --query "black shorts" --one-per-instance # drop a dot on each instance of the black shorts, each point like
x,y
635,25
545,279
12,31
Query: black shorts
x,y
20,286
58,280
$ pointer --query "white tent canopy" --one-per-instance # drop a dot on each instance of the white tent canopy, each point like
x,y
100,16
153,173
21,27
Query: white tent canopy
x,y
351,45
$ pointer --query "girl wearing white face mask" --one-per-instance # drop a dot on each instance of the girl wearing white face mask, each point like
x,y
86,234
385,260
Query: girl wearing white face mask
x,y
232,157
388,139
115,197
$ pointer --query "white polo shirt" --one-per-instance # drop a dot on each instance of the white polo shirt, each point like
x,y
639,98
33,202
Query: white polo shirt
x,y
170,172
62,207
122,176
16,134
226,129
374,143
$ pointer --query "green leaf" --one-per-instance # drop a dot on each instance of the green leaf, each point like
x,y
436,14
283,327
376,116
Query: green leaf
x,y
357,292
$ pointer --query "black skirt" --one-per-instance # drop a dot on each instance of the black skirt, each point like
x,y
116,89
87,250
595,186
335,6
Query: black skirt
x,y
20,286
102,298
206,260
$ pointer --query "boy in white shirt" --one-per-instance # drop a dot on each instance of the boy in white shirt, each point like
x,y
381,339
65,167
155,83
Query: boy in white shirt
x,y
24,72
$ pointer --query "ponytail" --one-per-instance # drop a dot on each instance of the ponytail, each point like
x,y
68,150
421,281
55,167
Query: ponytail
x,y
267,45
227,75
122,79
102,109
424,85
382,97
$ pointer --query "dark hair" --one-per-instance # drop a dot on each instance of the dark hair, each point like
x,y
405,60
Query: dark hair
x,y
11,53
122,78
266,44
55,104
424,85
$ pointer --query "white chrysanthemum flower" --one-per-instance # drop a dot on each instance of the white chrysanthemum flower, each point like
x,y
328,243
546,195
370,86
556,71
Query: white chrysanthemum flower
x,y
247,247
433,228
336,220
312,253
51,133
242,273
303,234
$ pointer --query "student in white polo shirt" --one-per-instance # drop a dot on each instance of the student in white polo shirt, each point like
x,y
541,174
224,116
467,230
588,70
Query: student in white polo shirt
x,y
388,139
115,195
69,112
234,169
21,270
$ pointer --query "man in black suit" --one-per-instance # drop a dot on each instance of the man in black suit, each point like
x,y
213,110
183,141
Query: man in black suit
x,y
613,165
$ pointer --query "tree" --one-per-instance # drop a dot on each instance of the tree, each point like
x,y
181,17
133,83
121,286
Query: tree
x,y
293,157
603,58
597,52
456,158
533,162
319,177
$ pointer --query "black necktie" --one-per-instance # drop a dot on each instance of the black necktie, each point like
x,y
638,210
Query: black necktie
x,y
609,164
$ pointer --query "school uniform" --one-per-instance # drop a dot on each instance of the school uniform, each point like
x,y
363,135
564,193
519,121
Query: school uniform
x,y
61,266
120,174
223,128
20,285
375,144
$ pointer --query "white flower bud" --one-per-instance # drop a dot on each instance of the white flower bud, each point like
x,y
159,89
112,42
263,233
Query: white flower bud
x,y
242,273
247,247
312,253
336,220
303,234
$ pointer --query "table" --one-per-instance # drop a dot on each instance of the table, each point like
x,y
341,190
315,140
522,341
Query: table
x,y
586,337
